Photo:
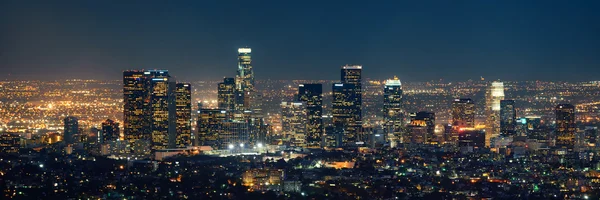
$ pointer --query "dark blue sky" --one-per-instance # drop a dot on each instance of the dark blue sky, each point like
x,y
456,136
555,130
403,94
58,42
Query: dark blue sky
x,y
195,40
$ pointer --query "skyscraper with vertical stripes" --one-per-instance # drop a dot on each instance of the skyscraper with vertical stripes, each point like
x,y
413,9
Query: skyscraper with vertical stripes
x,y
312,96
183,101
149,110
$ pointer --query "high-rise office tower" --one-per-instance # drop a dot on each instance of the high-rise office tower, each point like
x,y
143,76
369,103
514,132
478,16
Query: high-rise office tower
x,y
532,123
393,112
136,124
110,131
183,103
470,139
241,100
565,126
226,96
493,95
258,127
245,74
346,112
448,136
235,133
71,129
352,74
255,102
294,122
427,120
508,118
463,113
417,134
162,109
531,126
521,127
209,122
334,136
245,79
312,96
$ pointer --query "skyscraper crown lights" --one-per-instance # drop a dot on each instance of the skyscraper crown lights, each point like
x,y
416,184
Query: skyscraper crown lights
x,y
244,50
393,82
352,67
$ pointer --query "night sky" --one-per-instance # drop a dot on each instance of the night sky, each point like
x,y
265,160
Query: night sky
x,y
198,40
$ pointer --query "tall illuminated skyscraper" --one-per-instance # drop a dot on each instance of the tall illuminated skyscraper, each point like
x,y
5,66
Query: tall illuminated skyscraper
x,y
294,122
110,131
493,95
565,126
209,122
162,109
245,79
245,74
463,113
227,94
136,124
393,112
312,96
234,133
183,103
346,112
150,110
352,74
508,117
71,129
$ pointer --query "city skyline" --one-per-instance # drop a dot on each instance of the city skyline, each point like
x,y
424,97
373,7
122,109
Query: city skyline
x,y
388,121
511,41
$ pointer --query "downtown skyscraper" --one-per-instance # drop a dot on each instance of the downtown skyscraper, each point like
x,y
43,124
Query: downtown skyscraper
x,y
183,103
136,123
227,95
294,122
312,96
149,110
209,122
233,133
346,112
347,106
493,95
352,74
427,120
110,131
508,118
393,111
71,128
463,113
245,77
162,109
565,126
